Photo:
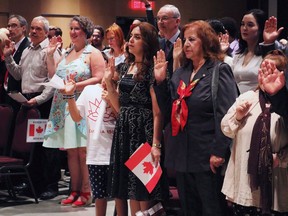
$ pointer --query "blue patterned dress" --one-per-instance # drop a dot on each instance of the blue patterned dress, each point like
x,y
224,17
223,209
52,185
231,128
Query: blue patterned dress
x,y
61,130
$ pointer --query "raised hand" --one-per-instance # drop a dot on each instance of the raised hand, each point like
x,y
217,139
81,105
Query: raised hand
x,y
242,109
109,70
177,49
224,42
160,66
55,42
270,32
69,88
8,48
146,2
270,78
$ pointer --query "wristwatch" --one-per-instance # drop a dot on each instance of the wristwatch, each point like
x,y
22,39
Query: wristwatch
x,y
157,145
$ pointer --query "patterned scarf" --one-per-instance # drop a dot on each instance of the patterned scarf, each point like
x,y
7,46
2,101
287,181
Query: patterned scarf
x,y
260,160
179,113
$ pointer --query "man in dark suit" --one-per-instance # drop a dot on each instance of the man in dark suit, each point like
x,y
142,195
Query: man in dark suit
x,y
168,21
17,26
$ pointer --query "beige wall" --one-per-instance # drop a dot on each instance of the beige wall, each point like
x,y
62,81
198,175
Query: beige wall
x,y
103,12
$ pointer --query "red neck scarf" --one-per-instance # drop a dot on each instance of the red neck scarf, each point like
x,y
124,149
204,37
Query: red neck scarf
x,y
179,113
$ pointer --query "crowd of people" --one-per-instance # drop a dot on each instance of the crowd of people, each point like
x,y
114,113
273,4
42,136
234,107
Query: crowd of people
x,y
210,102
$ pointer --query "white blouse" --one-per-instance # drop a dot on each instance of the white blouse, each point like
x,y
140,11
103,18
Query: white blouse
x,y
246,76
236,185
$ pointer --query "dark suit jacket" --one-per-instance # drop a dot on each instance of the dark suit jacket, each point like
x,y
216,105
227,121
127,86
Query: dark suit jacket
x,y
2,76
169,57
150,18
15,85
202,137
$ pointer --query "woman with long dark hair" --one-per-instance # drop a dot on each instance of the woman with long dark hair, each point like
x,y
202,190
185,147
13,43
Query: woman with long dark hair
x,y
249,55
139,120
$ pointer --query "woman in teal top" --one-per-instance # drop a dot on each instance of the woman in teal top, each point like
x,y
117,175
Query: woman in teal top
x,y
85,65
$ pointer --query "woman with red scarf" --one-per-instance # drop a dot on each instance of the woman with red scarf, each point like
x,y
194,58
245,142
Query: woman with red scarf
x,y
195,146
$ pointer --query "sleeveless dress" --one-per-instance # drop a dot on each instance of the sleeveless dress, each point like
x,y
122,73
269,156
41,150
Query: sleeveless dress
x,y
61,130
134,126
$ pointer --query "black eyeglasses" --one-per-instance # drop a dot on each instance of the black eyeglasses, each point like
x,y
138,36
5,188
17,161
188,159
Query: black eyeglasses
x,y
12,26
165,18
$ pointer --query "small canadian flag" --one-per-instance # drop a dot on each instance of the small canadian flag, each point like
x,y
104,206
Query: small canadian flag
x,y
35,130
141,164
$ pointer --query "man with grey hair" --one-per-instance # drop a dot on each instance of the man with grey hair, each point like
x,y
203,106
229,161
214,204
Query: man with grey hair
x,y
168,21
32,70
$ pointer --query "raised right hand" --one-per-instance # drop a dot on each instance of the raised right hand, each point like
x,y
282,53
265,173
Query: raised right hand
x,y
8,48
109,70
270,78
177,49
270,32
55,42
160,66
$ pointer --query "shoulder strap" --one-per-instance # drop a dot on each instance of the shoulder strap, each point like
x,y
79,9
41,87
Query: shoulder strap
x,y
214,86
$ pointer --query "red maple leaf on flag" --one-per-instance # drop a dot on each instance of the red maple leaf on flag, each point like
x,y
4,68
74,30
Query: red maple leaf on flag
x,y
39,130
148,167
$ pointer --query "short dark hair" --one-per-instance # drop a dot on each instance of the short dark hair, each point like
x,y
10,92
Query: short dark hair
x,y
100,28
58,31
217,26
231,26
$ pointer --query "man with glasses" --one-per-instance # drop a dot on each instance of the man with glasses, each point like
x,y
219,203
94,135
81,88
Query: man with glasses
x,y
32,70
98,37
17,26
168,21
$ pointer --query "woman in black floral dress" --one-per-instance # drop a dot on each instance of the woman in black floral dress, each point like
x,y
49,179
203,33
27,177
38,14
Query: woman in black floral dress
x,y
139,120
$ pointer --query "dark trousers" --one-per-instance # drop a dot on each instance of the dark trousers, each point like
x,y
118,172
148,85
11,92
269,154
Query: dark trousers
x,y
200,194
239,210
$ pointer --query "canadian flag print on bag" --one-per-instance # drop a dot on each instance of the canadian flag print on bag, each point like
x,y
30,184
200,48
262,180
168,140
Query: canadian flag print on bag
x,y
141,164
36,129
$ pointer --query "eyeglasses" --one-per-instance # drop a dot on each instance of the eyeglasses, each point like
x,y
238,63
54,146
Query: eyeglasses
x,y
111,39
12,26
165,18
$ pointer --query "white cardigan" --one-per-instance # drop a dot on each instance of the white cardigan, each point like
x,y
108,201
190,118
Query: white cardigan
x,y
236,182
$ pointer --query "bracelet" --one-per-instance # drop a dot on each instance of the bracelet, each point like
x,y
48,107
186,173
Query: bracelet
x,y
157,145
65,97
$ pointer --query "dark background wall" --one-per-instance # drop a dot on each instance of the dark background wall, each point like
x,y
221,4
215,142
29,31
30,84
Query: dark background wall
x,y
105,12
